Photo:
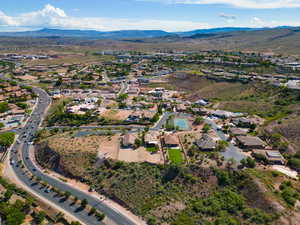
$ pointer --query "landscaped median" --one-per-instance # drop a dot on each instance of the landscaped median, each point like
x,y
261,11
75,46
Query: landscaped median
x,y
175,156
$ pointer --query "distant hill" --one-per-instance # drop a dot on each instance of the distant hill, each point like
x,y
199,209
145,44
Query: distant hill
x,y
284,40
127,34
215,31
89,34
281,39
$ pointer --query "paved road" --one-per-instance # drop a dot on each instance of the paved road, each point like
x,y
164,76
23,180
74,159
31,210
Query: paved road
x,y
231,151
124,88
162,121
104,127
26,135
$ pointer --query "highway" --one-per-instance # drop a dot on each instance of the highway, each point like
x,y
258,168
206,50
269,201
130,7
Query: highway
x,y
26,135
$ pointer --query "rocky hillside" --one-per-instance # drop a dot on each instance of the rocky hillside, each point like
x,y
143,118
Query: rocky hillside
x,y
166,194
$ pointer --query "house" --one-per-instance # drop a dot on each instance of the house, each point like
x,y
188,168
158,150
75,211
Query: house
x,y
181,108
206,143
171,141
250,142
128,140
15,198
273,156
133,91
225,114
151,138
135,116
148,115
243,122
201,102
199,111
234,131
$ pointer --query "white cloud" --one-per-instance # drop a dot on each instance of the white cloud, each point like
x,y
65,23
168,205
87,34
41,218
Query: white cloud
x,y
258,21
228,18
255,4
6,20
52,17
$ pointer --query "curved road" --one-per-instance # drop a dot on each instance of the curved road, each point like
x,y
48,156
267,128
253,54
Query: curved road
x,y
26,135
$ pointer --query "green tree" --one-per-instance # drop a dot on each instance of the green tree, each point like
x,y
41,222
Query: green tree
x,y
122,97
206,128
58,82
22,105
294,163
137,142
100,216
6,139
67,194
40,217
152,221
75,223
92,211
198,120
222,145
248,162
84,203
8,194
75,199
4,107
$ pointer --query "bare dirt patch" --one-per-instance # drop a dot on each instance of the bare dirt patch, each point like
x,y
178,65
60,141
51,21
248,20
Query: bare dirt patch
x,y
109,146
67,144
27,77
116,114
140,155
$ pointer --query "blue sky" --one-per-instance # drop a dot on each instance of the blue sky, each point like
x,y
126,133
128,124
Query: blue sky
x,y
169,15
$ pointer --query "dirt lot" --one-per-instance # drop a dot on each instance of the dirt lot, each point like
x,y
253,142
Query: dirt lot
x,y
27,77
105,146
109,146
116,114
84,144
140,155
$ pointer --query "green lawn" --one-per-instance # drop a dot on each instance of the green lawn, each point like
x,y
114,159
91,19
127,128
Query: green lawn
x,y
152,149
175,156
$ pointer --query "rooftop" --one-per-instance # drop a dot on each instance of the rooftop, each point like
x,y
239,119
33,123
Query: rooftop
x,y
251,141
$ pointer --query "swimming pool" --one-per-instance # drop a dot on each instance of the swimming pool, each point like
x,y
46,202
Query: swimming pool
x,y
181,123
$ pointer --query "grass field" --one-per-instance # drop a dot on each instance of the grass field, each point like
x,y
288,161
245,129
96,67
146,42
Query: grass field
x,y
152,149
175,156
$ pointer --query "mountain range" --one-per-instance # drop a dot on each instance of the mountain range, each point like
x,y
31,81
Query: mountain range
x,y
127,34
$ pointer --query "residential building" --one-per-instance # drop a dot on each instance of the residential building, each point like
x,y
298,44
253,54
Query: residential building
x,y
234,131
171,141
151,138
272,156
128,140
206,143
250,142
